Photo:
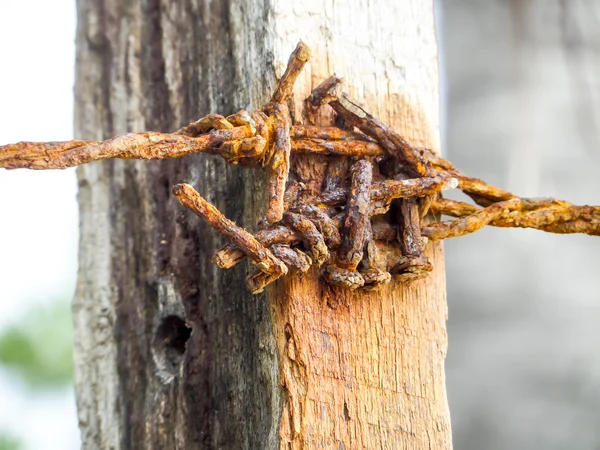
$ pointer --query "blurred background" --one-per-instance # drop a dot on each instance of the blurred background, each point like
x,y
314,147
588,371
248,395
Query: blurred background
x,y
521,109
38,225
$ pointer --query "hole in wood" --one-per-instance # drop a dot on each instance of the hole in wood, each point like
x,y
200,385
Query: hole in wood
x,y
169,345
346,412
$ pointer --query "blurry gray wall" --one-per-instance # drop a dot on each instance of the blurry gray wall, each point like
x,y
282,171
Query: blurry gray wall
x,y
522,111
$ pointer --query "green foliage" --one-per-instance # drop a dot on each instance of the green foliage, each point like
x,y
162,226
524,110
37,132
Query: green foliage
x,y
9,442
39,349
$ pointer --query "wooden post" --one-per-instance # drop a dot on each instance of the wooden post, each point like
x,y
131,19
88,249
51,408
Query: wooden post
x,y
172,352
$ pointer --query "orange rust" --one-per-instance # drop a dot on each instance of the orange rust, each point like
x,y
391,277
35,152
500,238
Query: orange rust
x,y
313,239
144,145
356,227
395,144
38,155
336,217
260,255
330,134
473,222
280,159
545,214
337,147
298,59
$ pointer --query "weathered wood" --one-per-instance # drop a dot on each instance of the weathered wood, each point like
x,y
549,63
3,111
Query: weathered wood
x,y
283,369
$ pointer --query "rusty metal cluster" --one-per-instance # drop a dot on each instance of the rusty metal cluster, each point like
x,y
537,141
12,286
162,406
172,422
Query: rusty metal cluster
x,y
378,188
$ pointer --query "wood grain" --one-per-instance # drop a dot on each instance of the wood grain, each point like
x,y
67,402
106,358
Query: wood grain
x,y
303,366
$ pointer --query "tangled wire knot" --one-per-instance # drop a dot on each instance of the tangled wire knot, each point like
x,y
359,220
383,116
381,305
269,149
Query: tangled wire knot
x,y
377,187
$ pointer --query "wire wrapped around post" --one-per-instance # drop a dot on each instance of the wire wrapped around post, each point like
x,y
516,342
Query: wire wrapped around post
x,y
378,189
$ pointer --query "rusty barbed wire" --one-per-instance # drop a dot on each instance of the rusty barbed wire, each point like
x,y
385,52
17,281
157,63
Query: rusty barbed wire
x,y
378,189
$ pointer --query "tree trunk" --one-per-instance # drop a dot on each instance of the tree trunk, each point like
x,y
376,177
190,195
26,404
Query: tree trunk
x,y
172,352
